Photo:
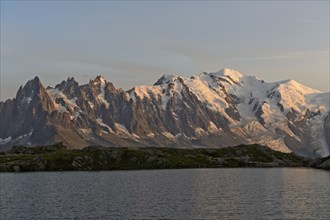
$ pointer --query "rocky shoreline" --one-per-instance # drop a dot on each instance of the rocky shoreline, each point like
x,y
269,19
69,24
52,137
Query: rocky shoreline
x,y
321,163
59,158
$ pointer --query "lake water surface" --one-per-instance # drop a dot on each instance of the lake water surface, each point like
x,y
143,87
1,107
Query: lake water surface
x,y
240,193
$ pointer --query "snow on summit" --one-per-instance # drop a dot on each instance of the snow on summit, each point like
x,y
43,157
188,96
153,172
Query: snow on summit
x,y
217,109
234,74
212,88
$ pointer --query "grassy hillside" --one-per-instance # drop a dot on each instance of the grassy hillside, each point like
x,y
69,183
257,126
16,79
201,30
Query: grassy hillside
x,y
58,157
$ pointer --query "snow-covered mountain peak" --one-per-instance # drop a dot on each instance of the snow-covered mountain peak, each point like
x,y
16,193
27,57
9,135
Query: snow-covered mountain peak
x,y
218,109
233,74
299,97
165,79
294,85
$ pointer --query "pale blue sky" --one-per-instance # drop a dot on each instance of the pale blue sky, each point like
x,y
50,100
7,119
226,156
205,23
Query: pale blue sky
x,y
134,43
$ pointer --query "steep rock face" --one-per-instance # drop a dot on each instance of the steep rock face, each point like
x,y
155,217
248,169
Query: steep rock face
x,y
327,129
218,109
25,118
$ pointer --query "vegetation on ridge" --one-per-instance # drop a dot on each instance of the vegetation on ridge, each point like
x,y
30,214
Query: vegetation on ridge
x,y
57,158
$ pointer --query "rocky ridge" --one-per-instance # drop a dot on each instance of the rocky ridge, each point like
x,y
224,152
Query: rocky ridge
x,y
220,109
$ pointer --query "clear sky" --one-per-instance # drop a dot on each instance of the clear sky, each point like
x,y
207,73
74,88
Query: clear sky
x,y
135,42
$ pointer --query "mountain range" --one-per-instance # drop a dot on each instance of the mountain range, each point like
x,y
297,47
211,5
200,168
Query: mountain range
x,y
220,109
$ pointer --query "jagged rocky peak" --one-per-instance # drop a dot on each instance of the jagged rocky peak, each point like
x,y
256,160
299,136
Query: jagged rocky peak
x,y
31,89
69,87
216,109
32,84
69,84
100,81
33,94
